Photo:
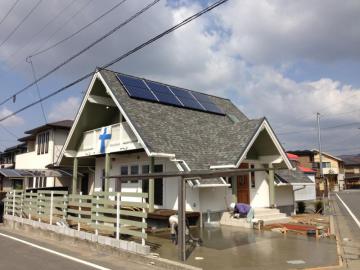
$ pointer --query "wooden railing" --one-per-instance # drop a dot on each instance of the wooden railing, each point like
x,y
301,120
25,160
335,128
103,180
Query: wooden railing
x,y
109,213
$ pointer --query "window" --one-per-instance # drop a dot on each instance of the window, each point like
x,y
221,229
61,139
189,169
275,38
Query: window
x,y
252,176
324,165
124,170
43,143
158,189
134,170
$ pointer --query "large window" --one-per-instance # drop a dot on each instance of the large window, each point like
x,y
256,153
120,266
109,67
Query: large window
x,y
158,189
43,143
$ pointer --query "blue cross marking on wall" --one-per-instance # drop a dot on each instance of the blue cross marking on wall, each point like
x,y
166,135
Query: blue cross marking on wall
x,y
103,137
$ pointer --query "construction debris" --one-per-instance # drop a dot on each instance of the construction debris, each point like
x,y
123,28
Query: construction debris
x,y
314,225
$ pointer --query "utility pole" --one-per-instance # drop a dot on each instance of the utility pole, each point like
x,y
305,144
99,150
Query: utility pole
x,y
320,154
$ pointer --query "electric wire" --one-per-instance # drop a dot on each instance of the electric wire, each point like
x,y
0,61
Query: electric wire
x,y
20,23
82,51
78,31
80,10
132,51
9,11
54,18
29,60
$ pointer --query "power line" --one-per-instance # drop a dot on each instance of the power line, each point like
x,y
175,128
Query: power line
x,y
21,22
80,30
82,51
43,28
139,47
37,87
9,11
8,131
329,127
80,10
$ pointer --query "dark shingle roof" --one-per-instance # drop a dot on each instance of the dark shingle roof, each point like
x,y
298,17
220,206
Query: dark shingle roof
x,y
292,177
65,124
201,139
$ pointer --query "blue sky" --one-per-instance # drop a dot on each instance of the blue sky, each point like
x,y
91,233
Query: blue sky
x,y
279,59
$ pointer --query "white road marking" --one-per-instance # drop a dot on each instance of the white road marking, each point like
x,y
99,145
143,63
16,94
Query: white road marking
x,y
350,212
56,253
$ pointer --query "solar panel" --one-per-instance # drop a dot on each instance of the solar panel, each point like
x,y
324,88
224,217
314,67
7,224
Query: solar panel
x,y
136,88
186,98
207,103
163,93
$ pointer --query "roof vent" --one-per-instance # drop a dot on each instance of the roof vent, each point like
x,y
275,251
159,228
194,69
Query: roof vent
x,y
233,118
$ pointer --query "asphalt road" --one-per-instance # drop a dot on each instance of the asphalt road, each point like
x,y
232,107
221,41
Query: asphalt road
x,y
352,199
38,255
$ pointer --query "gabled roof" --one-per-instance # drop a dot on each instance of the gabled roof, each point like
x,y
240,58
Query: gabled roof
x,y
327,154
64,124
201,139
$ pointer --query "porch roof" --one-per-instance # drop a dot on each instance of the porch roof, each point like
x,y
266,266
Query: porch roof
x,y
292,177
13,173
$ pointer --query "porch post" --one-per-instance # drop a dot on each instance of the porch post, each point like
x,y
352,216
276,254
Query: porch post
x,y
151,186
181,220
234,189
75,176
271,186
107,172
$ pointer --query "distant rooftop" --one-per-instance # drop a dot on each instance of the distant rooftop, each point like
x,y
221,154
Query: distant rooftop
x,y
65,124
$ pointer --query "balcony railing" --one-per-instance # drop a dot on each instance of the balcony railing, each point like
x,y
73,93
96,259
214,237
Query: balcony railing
x,y
122,139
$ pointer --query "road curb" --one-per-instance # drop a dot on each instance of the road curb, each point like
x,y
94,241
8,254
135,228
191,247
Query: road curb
x,y
50,236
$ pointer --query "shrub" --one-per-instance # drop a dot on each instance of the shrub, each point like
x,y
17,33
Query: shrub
x,y
301,206
319,207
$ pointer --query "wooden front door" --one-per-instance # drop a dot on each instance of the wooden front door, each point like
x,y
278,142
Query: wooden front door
x,y
243,189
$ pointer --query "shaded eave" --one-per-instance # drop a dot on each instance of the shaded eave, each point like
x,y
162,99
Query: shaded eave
x,y
65,124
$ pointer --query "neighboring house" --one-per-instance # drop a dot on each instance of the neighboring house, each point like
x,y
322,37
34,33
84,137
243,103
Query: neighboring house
x,y
303,192
43,145
7,158
333,168
10,181
352,171
128,125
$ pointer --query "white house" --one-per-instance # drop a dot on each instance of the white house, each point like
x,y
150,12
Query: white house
x,y
44,145
128,125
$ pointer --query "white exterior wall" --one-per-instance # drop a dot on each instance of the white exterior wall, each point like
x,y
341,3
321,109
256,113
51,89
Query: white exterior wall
x,y
215,199
170,189
284,195
259,196
33,161
305,193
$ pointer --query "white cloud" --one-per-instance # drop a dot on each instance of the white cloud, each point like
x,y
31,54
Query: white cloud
x,y
234,51
13,120
64,110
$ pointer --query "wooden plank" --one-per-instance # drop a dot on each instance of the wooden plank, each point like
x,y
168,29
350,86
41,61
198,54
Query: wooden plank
x,y
77,204
104,227
78,196
77,212
104,219
103,201
81,220
134,204
133,233
138,224
103,210
62,192
133,213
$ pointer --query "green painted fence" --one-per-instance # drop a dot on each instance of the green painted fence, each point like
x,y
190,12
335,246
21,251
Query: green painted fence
x,y
111,213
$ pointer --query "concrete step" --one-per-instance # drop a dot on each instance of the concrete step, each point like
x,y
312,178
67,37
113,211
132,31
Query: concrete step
x,y
260,211
269,217
228,220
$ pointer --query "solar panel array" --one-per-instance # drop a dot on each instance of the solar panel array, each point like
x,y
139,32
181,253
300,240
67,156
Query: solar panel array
x,y
166,94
